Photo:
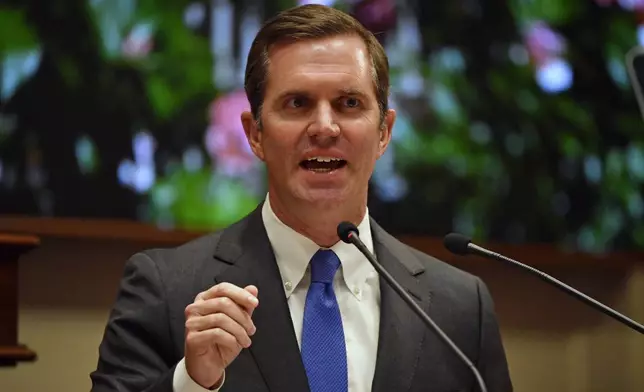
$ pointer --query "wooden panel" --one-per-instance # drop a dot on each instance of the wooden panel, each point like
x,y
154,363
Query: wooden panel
x,y
12,246
111,229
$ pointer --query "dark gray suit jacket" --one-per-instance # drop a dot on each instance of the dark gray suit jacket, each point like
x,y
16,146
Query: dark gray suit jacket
x,y
144,337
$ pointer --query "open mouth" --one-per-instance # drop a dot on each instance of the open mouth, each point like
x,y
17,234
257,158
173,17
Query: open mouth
x,y
323,164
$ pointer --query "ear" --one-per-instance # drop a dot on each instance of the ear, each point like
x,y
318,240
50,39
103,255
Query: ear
x,y
253,134
385,131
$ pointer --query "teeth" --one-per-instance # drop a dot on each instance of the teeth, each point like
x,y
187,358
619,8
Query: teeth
x,y
324,159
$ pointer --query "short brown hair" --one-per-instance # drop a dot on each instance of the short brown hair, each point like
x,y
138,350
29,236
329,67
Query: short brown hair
x,y
309,22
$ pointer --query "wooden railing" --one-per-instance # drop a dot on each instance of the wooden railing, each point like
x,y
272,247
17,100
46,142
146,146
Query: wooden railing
x,y
12,246
124,230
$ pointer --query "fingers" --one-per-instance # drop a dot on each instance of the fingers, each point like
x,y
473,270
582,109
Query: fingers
x,y
208,338
218,326
233,302
247,299
215,306
222,322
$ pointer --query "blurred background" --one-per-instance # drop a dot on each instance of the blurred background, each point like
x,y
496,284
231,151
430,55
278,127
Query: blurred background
x,y
517,124
517,120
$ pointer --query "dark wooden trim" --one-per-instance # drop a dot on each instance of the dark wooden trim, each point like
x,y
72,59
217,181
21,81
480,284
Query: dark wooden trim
x,y
126,230
11,355
106,229
12,246
19,240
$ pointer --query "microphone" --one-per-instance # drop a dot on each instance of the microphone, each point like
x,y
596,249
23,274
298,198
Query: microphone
x,y
348,233
462,245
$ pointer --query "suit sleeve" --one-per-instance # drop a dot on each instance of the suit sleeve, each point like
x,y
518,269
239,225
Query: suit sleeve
x,y
492,362
136,353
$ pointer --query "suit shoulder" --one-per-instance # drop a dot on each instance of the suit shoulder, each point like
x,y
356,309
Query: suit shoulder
x,y
416,261
193,251
448,274
436,263
449,284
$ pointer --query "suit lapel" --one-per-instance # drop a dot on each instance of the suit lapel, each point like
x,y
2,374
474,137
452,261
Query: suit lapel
x,y
245,246
401,331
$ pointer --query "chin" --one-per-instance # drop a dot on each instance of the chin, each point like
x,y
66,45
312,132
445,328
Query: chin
x,y
324,196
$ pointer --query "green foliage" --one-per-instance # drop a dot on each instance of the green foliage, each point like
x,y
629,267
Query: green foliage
x,y
198,200
552,11
15,32
174,73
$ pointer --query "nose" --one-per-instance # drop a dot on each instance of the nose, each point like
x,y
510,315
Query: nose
x,y
323,127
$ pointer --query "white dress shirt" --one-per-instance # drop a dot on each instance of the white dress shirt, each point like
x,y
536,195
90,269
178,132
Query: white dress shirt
x,y
357,290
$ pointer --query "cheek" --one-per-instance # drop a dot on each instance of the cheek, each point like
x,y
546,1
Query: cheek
x,y
280,146
368,143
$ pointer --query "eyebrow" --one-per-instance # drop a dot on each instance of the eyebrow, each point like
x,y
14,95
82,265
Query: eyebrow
x,y
349,91
352,92
291,93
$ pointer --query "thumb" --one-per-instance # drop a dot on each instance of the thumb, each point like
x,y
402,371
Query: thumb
x,y
253,290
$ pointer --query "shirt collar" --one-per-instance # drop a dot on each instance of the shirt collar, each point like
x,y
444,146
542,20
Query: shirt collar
x,y
293,251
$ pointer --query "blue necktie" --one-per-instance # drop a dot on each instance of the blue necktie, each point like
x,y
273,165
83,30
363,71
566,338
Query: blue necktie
x,y
323,348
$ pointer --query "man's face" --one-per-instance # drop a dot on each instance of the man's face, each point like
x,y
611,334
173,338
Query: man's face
x,y
321,131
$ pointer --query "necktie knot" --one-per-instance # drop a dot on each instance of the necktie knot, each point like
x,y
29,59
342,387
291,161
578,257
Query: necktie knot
x,y
324,265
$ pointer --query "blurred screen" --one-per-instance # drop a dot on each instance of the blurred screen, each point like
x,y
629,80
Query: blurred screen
x,y
517,120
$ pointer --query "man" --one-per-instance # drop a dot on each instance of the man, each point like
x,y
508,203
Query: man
x,y
276,302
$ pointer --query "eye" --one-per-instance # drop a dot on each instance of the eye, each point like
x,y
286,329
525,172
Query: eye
x,y
351,102
296,102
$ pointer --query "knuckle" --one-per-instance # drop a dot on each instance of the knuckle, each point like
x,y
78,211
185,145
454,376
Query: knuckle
x,y
192,310
219,334
223,335
191,340
221,288
224,302
216,319
188,311
190,324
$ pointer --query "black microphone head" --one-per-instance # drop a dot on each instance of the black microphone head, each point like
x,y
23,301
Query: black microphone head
x,y
345,229
457,243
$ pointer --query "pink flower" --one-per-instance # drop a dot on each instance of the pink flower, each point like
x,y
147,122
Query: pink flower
x,y
225,139
543,43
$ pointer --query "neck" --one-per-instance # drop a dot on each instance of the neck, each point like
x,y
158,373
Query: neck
x,y
317,222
